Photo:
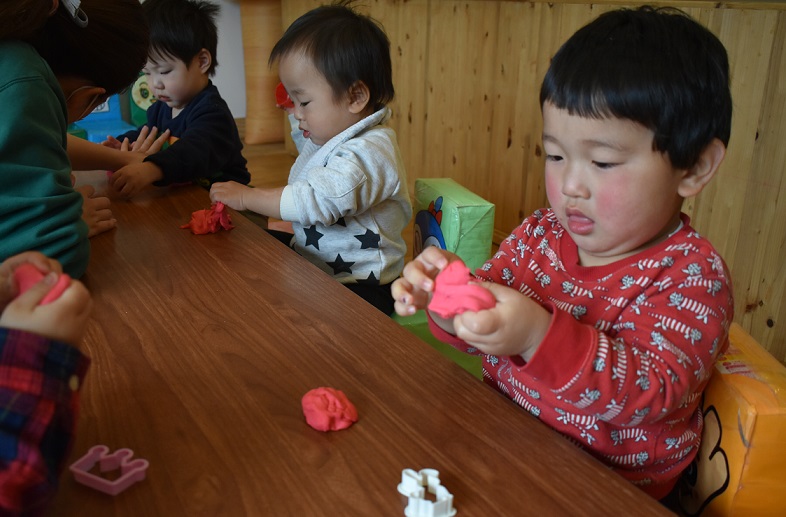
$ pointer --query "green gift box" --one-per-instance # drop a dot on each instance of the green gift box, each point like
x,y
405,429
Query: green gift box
x,y
449,216
453,218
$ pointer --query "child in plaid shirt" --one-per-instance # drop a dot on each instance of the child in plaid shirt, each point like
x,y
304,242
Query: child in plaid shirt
x,y
41,371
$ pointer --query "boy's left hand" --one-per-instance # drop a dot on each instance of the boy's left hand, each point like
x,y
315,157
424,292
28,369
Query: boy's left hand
x,y
515,326
131,179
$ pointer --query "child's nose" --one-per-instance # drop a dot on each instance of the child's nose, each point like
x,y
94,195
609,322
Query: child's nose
x,y
573,184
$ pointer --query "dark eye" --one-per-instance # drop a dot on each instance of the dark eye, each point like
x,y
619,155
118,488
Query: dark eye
x,y
304,104
604,165
553,158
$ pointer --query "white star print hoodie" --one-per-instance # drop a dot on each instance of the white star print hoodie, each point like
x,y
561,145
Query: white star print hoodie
x,y
348,202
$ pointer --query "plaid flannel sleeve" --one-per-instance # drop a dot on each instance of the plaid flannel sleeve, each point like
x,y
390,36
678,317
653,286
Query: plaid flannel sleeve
x,y
39,385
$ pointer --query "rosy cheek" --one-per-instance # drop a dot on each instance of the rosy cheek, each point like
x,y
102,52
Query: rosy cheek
x,y
612,199
553,189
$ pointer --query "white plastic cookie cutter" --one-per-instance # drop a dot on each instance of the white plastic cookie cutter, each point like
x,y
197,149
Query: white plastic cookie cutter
x,y
414,485
131,471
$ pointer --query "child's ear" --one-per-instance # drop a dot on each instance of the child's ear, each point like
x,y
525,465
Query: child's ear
x,y
697,177
204,60
359,96
80,101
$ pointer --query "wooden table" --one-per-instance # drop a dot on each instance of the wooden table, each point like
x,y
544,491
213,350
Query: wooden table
x,y
202,347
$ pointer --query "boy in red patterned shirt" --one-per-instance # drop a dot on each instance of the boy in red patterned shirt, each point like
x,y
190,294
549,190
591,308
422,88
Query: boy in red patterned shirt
x,y
610,309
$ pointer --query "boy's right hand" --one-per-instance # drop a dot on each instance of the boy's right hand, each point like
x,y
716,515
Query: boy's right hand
x,y
63,319
413,290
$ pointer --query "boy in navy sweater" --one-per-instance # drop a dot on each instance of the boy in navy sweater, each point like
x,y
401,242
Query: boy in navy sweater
x,y
204,144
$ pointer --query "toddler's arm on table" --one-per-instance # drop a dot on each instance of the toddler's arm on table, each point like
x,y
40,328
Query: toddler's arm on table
x,y
264,201
85,155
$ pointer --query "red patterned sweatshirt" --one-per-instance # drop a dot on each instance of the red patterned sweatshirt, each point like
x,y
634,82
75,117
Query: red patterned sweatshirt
x,y
629,350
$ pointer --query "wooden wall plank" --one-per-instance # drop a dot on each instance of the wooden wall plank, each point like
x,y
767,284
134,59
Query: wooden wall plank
x,y
759,273
260,21
409,44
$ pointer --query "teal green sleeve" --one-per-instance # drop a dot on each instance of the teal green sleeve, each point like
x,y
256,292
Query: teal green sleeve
x,y
39,208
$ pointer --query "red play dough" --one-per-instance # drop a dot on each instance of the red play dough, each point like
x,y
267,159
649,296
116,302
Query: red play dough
x,y
328,409
210,220
27,275
453,294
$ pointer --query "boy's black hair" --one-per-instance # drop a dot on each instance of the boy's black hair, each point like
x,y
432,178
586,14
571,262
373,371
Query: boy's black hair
x,y
657,67
181,28
345,46
108,52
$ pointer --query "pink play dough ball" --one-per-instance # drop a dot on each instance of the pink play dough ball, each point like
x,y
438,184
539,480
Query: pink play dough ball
x,y
328,409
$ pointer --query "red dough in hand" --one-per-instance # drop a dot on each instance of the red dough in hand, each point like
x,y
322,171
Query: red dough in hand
x,y
27,275
453,294
210,220
328,409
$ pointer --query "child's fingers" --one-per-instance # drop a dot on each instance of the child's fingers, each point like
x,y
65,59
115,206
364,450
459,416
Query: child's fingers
x,y
156,143
407,298
117,180
78,297
87,191
8,284
420,273
39,260
139,143
400,290
217,191
434,260
112,142
33,296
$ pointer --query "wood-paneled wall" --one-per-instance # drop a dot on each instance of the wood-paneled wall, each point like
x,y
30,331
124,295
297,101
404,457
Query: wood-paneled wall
x,y
467,76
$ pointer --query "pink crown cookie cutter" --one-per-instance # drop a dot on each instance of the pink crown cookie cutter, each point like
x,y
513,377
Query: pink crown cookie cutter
x,y
131,471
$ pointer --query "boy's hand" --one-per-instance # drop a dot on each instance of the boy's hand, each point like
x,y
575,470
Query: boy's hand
x,y
413,290
63,319
132,179
96,211
8,287
515,326
231,193
148,142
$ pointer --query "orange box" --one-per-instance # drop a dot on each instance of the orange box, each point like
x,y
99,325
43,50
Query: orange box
x,y
741,466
